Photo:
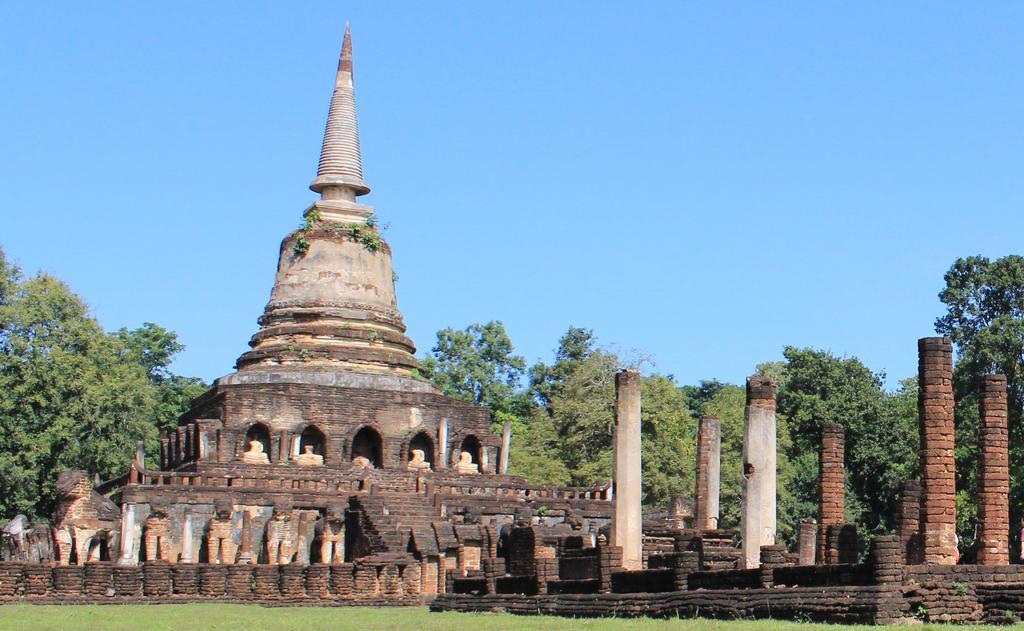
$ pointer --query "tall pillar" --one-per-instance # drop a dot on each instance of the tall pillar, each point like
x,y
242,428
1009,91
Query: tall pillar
x,y
832,479
709,467
757,514
993,474
506,443
938,468
128,537
187,555
627,527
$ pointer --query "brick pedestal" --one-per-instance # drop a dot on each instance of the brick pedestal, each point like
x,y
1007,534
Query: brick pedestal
x,y
993,474
938,468
908,521
807,543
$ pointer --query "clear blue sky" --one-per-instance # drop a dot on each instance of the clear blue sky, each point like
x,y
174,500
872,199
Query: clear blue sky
x,y
706,182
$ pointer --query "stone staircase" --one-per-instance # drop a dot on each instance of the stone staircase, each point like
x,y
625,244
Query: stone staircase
x,y
389,517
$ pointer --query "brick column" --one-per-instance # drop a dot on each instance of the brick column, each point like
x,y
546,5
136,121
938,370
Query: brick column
x,y
993,474
908,521
938,468
757,513
807,542
832,477
627,526
709,467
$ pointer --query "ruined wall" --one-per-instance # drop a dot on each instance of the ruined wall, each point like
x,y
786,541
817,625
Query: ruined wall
x,y
394,581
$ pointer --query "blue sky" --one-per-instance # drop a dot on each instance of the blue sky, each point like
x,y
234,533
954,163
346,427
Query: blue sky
x,y
705,182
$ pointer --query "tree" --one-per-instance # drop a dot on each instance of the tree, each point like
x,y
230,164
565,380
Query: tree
x,y
154,347
478,365
547,381
881,433
985,319
71,395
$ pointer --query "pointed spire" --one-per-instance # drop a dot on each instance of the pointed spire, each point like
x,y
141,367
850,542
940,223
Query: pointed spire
x,y
340,173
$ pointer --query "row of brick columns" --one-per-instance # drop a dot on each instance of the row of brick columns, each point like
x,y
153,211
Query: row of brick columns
x,y
936,516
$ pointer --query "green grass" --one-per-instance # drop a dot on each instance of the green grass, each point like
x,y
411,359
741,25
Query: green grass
x,y
215,616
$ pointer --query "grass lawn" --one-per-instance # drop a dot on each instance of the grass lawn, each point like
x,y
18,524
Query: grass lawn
x,y
216,616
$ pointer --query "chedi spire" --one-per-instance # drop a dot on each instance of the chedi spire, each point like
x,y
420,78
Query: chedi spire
x,y
339,176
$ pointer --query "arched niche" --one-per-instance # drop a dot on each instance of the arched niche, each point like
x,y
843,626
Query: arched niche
x,y
471,444
312,436
261,433
368,444
422,440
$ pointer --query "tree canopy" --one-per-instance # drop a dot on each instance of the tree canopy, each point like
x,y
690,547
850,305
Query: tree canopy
x,y
71,395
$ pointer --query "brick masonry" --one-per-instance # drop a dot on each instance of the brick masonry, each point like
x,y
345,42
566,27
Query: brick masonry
x,y
832,489
993,474
938,467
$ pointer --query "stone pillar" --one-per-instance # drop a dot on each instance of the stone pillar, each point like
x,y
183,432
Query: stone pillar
x,y
938,468
627,526
832,480
186,539
757,511
140,454
442,445
506,443
245,555
908,521
128,536
993,474
709,467
808,541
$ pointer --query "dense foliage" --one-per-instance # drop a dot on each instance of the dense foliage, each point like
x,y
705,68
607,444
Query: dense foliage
x,y
71,395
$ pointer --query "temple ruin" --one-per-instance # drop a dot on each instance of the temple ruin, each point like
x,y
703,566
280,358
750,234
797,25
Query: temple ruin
x,y
326,471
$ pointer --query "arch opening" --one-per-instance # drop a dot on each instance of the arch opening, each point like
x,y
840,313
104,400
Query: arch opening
x,y
367,444
313,437
424,443
260,433
471,445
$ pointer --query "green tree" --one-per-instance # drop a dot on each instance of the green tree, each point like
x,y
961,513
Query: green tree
x,y
71,395
547,381
478,365
154,347
881,433
985,319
